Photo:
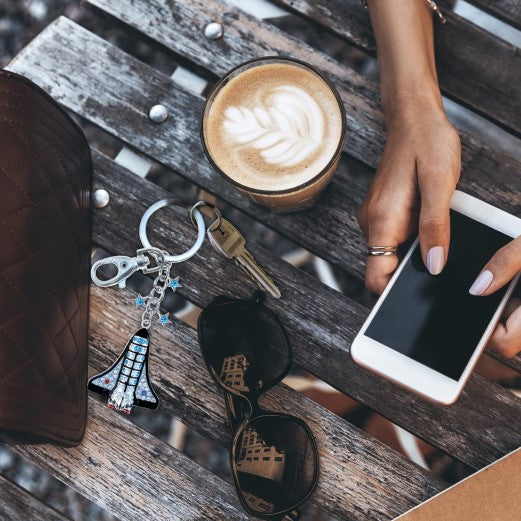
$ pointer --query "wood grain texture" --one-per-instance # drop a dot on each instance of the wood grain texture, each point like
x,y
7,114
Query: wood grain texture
x,y
482,84
17,504
507,10
116,91
135,476
360,478
166,487
482,426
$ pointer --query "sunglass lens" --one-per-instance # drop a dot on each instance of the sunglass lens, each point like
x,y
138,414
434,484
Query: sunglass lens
x,y
244,345
276,464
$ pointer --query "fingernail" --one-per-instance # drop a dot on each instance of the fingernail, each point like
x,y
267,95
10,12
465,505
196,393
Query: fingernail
x,y
435,260
481,283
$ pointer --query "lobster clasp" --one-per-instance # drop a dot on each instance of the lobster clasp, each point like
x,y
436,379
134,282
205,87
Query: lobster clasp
x,y
125,267
148,260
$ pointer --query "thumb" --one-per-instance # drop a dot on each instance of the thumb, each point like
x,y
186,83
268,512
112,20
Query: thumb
x,y
502,268
506,339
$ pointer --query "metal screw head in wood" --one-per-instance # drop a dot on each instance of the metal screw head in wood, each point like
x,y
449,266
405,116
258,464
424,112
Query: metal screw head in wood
x,y
158,114
100,198
213,31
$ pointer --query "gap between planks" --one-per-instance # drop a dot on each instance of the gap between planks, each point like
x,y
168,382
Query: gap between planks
x,y
507,10
18,504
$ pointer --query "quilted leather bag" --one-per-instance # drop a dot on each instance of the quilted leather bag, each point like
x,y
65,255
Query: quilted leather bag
x,y
45,234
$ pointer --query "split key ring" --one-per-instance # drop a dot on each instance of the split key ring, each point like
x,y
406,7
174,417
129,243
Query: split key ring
x,y
195,215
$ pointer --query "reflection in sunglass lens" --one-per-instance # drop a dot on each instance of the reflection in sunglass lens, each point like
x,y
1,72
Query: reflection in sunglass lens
x,y
244,344
275,463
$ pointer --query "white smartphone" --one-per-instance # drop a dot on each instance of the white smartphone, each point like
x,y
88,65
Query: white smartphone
x,y
427,332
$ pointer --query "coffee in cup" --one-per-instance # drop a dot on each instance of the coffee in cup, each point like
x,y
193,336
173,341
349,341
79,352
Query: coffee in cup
x,y
275,128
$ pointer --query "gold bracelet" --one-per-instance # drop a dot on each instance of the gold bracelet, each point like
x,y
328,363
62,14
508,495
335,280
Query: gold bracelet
x,y
433,5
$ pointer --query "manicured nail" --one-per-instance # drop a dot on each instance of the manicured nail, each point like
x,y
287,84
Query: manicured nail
x,y
435,260
481,283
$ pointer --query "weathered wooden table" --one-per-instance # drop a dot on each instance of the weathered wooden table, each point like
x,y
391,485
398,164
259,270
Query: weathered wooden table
x,y
360,477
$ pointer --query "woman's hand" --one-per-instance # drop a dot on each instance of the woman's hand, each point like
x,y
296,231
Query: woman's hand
x,y
501,269
414,183
421,162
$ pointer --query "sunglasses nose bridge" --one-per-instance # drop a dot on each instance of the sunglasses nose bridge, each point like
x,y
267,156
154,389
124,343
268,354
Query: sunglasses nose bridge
x,y
240,411
256,409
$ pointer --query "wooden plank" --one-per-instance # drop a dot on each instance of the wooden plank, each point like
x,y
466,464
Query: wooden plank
x,y
135,476
482,426
507,10
360,478
483,84
488,85
342,244
17,504
115,92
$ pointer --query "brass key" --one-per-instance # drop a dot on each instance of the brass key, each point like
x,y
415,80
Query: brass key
x,y
225,238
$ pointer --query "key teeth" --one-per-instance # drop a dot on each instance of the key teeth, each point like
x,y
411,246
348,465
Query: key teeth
x,y
229,241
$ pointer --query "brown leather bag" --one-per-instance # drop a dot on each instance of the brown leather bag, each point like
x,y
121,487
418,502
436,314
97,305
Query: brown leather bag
x,y
45,233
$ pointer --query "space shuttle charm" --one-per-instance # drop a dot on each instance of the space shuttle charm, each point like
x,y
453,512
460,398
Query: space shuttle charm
x,y
126,381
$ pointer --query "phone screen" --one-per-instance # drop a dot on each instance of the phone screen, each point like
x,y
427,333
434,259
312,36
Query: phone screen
x,y
433,319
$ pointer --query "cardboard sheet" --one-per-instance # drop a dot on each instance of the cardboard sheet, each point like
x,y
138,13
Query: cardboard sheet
x,y
492,494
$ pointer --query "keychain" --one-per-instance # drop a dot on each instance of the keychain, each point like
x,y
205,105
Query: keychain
x,y
126,382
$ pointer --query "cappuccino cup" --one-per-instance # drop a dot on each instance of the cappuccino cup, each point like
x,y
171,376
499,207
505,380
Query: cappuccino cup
x,y
275,127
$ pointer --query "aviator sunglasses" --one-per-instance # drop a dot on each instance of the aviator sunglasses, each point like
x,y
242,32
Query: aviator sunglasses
x,y
274,457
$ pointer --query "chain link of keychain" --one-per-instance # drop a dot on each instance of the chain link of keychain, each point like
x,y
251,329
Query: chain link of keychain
x,y
147,260
156,296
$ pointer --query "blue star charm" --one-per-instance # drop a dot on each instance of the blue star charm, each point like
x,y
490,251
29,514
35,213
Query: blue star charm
x,y
163,319
174,283
140,301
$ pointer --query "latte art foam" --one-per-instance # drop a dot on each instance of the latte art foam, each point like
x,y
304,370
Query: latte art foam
x,y
273,127
286,127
